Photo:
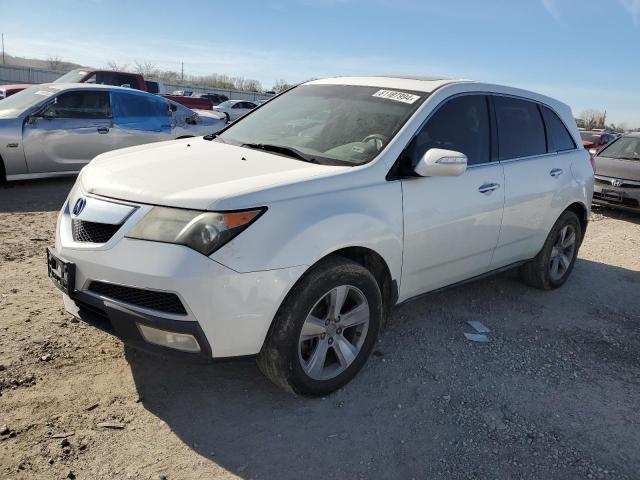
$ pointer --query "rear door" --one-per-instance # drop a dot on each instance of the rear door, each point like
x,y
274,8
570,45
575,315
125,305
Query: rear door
x,y
140,118
451,224
536,151
70,131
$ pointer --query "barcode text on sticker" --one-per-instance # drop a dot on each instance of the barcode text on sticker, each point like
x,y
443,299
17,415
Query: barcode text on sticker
x,y
396,96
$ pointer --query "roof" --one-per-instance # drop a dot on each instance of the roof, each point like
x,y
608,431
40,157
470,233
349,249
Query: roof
x,y
414,83
86,86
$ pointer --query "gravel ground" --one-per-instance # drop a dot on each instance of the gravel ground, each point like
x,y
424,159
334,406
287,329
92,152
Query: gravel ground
x,y
555,393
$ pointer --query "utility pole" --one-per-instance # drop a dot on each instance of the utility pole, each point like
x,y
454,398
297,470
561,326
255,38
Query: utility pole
x,y
182,72
3,48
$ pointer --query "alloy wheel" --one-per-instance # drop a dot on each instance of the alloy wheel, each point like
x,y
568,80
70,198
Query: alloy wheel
x,y
334,332
562,252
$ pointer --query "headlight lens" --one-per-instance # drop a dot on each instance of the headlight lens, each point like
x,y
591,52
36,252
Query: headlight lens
x,y
203,231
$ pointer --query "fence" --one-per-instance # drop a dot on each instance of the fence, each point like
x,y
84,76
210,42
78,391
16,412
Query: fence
x,y
15,74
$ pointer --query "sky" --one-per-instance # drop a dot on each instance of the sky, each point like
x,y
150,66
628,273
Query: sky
x,y
583,52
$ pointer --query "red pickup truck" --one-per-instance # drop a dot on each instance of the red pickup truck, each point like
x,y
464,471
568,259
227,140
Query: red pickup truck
x,y
121,79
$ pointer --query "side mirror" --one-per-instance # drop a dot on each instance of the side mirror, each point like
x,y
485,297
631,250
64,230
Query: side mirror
x,y
437,162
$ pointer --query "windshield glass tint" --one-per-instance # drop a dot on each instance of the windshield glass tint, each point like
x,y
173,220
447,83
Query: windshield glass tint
x,y
626,148
74,76
333,122
14,105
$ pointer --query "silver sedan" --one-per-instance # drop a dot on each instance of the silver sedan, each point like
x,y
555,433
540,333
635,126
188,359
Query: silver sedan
x,y
56,129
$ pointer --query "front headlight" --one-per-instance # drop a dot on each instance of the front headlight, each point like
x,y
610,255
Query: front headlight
x,y
203,231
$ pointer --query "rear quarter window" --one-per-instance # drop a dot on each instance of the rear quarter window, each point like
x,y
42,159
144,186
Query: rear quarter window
x,y
521,131
558,137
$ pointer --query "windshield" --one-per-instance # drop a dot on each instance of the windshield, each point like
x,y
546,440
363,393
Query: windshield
x,y
328,123
74,76
16,104
625,148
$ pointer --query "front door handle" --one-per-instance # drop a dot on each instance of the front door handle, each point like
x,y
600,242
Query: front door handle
x,y
487,188
103,130
556,172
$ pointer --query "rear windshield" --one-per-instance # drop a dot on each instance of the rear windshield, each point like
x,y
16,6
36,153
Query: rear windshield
x,y
625,148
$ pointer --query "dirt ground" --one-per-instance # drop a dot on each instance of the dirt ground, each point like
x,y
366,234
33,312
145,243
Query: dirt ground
x,y
555,393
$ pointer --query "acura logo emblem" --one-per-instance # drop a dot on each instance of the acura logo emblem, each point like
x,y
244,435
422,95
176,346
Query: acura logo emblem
x,y
79,206
616,183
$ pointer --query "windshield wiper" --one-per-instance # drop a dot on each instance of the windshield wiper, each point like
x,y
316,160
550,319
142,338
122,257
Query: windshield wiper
x,y
212,136
288,151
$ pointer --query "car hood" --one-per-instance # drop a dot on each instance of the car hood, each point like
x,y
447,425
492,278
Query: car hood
x,y
617,168
192,173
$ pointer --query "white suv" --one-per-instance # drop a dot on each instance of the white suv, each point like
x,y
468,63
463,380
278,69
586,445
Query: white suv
x,y
292,233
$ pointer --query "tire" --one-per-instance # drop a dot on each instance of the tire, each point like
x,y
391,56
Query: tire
x,y
227,117
296,363
548,270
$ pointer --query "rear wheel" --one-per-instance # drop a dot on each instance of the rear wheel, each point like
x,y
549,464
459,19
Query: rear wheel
x,y
324,330
553,265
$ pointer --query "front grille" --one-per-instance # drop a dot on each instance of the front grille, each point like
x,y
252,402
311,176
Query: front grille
x,y
624,183
92,232
162,301
627,202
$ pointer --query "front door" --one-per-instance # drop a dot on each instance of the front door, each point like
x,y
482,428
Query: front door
x,y
69,132
452,224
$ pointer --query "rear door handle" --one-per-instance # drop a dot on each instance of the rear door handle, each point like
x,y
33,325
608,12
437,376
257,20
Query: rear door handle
x,y
487,188
556,172
103,130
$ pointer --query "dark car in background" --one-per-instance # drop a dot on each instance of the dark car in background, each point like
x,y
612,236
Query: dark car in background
x,y
594,140
617,177
216,98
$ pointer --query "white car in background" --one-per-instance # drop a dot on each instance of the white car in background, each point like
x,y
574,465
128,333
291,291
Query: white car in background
x,y
295,244
234,109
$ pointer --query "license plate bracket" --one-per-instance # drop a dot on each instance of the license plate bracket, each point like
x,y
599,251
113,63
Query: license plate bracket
x,y
61,273
612,195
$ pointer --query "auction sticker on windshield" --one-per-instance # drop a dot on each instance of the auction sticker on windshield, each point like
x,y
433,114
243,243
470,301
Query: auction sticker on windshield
x,y
396,96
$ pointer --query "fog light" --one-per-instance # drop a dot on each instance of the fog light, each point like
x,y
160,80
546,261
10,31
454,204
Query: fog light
x,y
178,341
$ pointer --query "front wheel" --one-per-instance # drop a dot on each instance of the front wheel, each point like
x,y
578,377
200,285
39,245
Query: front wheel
x,y
553,265
324,330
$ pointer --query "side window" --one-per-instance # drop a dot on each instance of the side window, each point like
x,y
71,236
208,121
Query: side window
x,y
238,105
90,79
461,124
106,78
520,128
152,87
90,105
558,136
127,80
134,107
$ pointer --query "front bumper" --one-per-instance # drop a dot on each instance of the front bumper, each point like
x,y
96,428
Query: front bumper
x,y
626,197
123,323
229,313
